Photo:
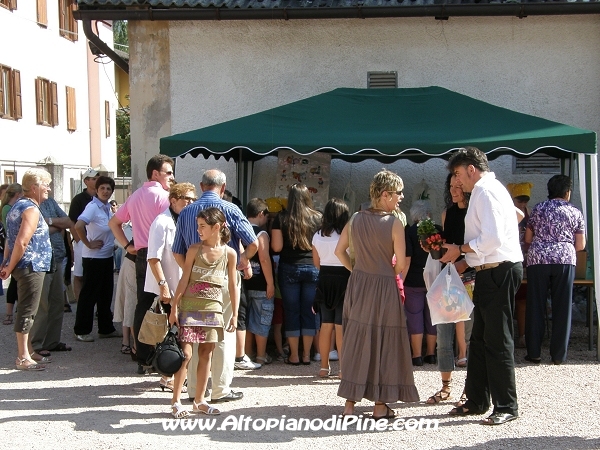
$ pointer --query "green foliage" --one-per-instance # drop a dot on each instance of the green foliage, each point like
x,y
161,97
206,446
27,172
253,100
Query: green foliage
x,y
426,227
123,143
120,33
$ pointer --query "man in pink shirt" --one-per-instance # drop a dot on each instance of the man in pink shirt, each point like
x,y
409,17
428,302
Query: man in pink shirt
x,y
141,208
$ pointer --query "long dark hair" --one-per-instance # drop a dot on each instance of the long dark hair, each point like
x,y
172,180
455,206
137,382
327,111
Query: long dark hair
x,y
448,197
300,220
212,216
335,217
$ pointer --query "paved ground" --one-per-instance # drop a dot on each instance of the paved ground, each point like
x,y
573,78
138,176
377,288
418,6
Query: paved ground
x,y
91,398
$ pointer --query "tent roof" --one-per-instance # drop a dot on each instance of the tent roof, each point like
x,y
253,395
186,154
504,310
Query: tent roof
x,y
384,124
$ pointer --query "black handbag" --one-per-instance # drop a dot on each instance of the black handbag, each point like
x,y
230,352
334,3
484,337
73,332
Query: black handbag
x,y
167,357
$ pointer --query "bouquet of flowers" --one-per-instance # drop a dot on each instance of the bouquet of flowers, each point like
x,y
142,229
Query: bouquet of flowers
x,y
430,237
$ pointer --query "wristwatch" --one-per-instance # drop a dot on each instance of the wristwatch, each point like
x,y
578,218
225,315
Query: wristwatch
x,y
50,221
462,252
162,282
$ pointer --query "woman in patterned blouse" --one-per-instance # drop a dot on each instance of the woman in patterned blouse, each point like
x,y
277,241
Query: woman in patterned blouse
x,y
28,260
556,231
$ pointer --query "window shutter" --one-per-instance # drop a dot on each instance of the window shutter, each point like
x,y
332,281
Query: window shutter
x,y
12,4
17,104
39,101
73,23
42,13
107,118
71,109
54,102
61,17
2,88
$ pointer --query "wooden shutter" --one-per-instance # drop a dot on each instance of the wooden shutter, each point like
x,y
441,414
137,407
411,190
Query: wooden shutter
x,y
54,103
42,13
39,101
17,104
71,110
61,17
12,4
2,88
107,118
73,23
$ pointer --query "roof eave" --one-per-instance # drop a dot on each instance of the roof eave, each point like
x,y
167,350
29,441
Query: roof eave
x,y
355,12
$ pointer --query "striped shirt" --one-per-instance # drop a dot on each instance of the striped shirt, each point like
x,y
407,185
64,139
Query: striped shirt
x,y
186,233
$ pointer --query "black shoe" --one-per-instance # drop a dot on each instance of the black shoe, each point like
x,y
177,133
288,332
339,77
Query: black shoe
x,y
430,359
532,360
67,308
229,397
141,370
418,361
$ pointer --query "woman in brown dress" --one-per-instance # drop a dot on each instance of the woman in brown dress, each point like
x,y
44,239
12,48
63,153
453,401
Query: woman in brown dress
x,y
377,361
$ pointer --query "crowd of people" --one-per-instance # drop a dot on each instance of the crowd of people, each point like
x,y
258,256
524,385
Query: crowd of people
x,y
228,279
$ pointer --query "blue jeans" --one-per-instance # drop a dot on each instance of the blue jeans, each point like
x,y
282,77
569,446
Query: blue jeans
x,y
298,284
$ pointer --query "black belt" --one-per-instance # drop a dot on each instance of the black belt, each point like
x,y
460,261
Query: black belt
x,y
488,266
129,256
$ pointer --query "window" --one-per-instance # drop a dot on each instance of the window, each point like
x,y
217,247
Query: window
x,y
107,118
10,93
42,13
537,163
378,80
9,177
46,97
10,4
67,23
71,110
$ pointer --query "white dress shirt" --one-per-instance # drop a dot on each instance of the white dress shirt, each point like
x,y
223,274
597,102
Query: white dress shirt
x,y
491,227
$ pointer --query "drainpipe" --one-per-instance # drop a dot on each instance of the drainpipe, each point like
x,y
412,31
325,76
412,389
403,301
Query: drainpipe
x,y
104,48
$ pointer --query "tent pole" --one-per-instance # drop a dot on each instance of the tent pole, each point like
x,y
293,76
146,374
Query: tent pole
x,y
593,219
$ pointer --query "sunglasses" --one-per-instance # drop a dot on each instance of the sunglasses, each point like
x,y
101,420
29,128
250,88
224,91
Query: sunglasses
x,y
189,199
398,193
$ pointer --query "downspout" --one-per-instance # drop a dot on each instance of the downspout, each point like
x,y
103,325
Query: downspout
x,y
94,39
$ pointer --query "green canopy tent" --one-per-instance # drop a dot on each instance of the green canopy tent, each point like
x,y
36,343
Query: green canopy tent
x,y
390,124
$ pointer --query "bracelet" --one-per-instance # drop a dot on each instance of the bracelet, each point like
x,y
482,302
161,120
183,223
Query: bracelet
x,y
128,244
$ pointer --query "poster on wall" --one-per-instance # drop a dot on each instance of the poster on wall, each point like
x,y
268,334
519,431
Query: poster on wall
x,y
311,170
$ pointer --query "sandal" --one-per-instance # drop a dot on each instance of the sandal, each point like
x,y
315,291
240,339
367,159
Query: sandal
x,y
178,412
463,410
442,395
325,372
168,385
67,308
41,359
264,360
125,349
43,352
353,403
210,410
389,413
462,362
287,361
498,418
8,319
462,400
61,347
27,364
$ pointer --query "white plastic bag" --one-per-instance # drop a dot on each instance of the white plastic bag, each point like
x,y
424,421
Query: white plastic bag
x,y
431,271
448,299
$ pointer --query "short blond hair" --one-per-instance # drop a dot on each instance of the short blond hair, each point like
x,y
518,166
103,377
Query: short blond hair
x,y
180,189
384,181
33,177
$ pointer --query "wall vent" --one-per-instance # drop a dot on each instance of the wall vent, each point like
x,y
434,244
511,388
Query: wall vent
x,y
378,80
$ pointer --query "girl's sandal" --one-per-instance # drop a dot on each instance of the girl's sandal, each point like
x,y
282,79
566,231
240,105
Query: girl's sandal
x,y
324,372
26,364
178,412
352,403
441,395
8,320
125,349
210,411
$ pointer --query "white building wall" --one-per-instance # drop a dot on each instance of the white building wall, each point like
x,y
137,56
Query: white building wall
x,y
38,51
546,66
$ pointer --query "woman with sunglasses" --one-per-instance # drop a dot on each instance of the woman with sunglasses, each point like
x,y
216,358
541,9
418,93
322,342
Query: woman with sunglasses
x,y
163,273
377,361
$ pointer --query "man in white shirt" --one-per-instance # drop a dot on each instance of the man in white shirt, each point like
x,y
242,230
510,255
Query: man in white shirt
x,y
492,247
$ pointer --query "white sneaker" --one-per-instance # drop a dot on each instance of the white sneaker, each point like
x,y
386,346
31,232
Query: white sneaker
x,y
246,364
333,355
84,338
317,357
